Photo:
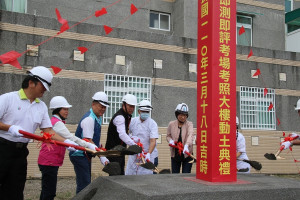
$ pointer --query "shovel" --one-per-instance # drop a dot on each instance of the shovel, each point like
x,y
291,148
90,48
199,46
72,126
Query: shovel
x,y
187,153
131,150
271,156
96,153
149,165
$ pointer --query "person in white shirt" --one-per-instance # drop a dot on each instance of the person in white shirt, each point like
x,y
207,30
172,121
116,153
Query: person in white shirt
x,y
22,110
242,167
295,137
143,129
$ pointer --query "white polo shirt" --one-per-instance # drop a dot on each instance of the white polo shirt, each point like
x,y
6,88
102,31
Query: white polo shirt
x,y
16,109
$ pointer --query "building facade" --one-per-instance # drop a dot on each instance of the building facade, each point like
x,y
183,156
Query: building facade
x,y
153,54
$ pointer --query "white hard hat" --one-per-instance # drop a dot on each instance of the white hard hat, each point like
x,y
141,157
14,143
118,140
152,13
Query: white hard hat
x,y
182,108
237,120
102,98
59,102
298,105
145,105
129,99
42,74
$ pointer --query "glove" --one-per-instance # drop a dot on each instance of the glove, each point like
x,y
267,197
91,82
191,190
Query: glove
x,y
186,149
104,160
91,146
70,142
135,139
171,142
294,135
286,144
147,156
14,131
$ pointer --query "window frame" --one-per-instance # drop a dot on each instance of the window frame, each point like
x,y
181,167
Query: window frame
x,y
13,4
254,114
159,20
120,85
246,26
292,5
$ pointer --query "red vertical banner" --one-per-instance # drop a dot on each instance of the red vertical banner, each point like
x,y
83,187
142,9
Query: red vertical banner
x,y
216,91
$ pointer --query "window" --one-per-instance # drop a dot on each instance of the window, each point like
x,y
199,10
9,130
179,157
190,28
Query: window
x,y
254,106
160,21
116,86
14,5
246,38
288,5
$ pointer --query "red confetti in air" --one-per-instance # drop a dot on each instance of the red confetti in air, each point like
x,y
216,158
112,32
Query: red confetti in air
x,y
296,160
55,69
265,91
250,54
278,123
82,49
107,29
64,22
101,12
270,107
11,58
133,9
242,30
256,73
283,133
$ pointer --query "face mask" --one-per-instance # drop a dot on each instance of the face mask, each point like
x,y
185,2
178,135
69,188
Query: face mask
x,y
144,116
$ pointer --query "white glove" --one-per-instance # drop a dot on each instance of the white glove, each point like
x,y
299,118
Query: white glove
x,y
294,135
70,142
135,139
14,131
171,142
104,160
186,149
147,156
286,144
91,146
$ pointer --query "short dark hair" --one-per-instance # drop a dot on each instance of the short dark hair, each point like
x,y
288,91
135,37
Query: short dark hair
x,y
56,111
28,78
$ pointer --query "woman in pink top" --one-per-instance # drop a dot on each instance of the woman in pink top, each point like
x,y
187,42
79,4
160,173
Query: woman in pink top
x,y
52,156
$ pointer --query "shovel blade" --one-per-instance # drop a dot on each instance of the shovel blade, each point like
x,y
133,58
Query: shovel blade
x,y
148,165
270,156
165,171
131,150
112,168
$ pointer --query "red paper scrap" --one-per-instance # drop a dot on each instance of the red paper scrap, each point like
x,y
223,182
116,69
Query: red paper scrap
x,y
55,69
256,73
82,49
64,22
107,29
133,9
11,58
101,12
242,30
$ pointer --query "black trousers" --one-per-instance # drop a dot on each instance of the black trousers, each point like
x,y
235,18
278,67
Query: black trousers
x,y
13,169
49,182
120,160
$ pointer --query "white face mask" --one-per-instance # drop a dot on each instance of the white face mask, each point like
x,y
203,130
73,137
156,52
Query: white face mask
x,y
144,115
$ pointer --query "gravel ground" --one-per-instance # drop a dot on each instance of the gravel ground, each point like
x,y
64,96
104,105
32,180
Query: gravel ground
x,y
66,188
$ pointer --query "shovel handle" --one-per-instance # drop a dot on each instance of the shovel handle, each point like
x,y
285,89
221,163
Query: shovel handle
x,y
40,138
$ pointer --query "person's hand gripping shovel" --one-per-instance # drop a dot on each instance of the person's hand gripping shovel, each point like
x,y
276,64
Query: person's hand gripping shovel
x,y
182,149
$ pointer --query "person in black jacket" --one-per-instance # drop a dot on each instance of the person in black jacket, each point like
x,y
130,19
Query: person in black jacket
x,y
117,133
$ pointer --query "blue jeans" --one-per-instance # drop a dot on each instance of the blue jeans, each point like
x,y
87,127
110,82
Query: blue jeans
x,y
176,165
82,167
49,181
